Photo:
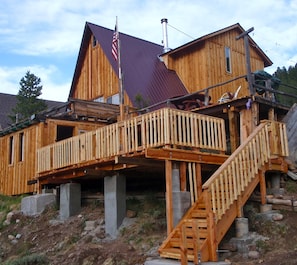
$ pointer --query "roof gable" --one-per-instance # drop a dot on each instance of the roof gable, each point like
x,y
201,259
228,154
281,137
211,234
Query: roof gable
x,y
144,73
239,28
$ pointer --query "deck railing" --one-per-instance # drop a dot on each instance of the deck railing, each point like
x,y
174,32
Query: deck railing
x,y
164,127
231,179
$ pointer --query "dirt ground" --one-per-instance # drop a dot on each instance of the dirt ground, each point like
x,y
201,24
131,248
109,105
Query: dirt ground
x,y
72,242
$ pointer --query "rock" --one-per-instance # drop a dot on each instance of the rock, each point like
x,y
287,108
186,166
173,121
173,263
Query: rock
x,y
10,237
131,214
229,246
90,225
254,254
18,236
9,216
109,261
6,222
89,260
277,217
101,221
14,241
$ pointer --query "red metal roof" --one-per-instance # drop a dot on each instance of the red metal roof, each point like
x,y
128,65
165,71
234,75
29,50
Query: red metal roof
x,y
144,74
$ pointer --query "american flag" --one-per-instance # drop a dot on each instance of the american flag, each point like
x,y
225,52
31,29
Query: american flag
x,y
115,40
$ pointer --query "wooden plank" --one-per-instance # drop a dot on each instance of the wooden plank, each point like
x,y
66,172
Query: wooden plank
x,y
183,176
185,155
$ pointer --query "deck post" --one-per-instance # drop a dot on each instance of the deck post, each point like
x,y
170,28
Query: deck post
x,y
262,186
233,128
211,227
169,207
114,203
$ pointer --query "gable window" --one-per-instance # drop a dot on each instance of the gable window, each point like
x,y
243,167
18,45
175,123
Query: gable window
x,y
94,43
115,99
228,59
11,150
21,146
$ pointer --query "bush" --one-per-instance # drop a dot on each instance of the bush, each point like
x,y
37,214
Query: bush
x,y
33,259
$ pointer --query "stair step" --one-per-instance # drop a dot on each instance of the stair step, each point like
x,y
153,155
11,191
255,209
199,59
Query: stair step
x,y
175,242
198,222
175,253
199,214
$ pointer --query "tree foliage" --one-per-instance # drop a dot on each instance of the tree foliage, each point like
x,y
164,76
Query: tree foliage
x,y
288,84
27,97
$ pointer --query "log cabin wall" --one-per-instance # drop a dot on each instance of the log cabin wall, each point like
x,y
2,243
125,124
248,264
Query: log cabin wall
x,y
97,78
203,64
18,152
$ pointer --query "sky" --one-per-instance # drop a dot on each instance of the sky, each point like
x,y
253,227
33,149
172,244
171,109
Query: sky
x,y
44,36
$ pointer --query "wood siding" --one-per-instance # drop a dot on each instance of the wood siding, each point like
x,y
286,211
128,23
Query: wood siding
x,y
203,64
16,172
97,77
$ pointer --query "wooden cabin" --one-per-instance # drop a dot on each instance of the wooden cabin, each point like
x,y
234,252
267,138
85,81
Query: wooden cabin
x,y
19,142
194,110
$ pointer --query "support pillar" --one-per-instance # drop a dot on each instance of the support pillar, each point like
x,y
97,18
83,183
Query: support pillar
x,y
114,203
180,199
242,227
70,200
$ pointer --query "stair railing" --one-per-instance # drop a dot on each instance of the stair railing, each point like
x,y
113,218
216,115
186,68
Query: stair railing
x,y
233,176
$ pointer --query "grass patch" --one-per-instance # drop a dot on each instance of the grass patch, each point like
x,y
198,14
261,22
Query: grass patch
x,y
291,186
7,204
33,259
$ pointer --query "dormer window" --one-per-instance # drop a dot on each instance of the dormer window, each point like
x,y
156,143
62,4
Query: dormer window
x,y
228,59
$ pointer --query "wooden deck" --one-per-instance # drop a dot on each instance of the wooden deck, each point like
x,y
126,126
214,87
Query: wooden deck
x,y
192,139
164,128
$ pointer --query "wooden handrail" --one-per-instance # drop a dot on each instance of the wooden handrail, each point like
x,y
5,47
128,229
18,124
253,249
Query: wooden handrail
x,y
155,129
267,140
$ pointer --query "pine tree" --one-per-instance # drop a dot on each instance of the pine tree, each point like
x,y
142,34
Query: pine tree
x,y
288,84
27,98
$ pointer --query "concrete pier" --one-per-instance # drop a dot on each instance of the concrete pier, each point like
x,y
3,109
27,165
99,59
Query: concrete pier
x,y
114,203
70,200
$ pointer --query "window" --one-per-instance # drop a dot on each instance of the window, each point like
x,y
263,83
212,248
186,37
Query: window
x,y
21,146
100,99
64,132
11,148
228,59
115,99
94,41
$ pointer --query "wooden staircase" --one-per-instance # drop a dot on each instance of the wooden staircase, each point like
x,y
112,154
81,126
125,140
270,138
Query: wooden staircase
x,y
197,235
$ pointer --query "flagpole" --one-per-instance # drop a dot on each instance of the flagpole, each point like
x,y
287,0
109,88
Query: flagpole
x,y
121,89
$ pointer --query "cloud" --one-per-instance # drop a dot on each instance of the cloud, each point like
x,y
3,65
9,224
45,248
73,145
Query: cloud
x,y
10,78
51,32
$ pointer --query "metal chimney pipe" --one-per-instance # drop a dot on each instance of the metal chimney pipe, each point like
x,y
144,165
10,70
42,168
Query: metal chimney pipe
x,y
164,22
